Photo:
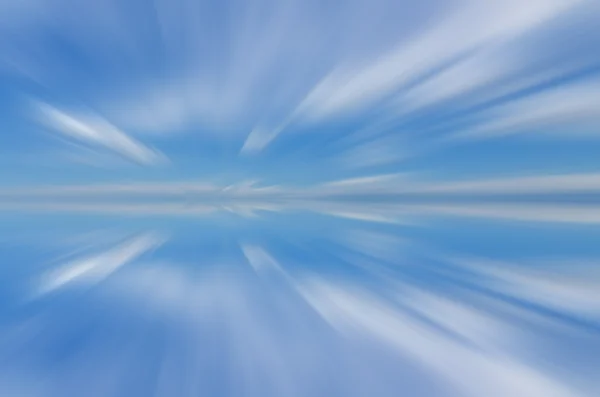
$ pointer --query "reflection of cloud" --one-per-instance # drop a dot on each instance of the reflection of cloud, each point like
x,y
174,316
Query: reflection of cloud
x,y
97,267
290,328
395,185
519,212
408,213
566,292
310,91
259,259
114,190
472,372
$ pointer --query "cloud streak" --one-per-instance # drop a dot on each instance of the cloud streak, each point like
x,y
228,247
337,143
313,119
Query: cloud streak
x,y
93,130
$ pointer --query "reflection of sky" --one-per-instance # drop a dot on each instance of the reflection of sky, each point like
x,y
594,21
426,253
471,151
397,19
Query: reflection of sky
x,y
299,198
297,303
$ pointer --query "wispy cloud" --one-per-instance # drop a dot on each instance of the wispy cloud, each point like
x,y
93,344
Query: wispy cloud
x,y
91,129
471,25
570,110
258,139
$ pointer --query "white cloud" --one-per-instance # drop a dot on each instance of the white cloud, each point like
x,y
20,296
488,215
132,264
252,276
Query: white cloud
x,y
129,189
93,129
474,24
258,139
568,110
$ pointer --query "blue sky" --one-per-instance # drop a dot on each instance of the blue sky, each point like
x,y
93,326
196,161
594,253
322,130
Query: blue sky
x,y
299,198
296,91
